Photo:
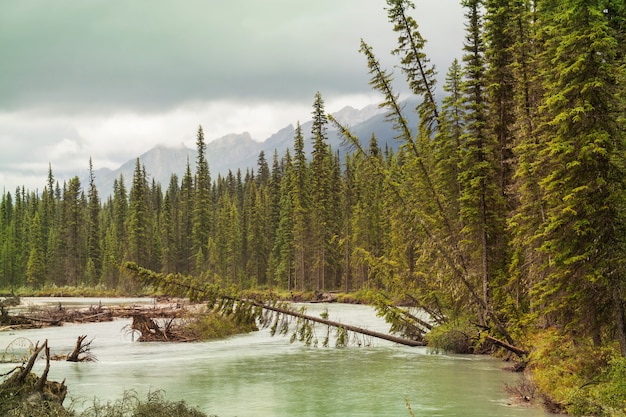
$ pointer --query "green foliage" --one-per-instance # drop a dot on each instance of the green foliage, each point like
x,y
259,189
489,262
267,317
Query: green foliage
x,y
567,370
217,326
605,396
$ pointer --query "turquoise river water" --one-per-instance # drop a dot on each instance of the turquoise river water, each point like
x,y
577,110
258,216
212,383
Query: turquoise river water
x,y
260,375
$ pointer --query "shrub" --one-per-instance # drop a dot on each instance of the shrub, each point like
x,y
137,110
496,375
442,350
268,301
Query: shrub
x,y
577,377
454,337
131,406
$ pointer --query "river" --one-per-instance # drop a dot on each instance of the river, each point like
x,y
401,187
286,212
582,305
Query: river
x,y
260,375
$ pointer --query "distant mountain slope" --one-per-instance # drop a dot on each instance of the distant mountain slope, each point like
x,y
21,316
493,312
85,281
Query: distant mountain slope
x,y
240,151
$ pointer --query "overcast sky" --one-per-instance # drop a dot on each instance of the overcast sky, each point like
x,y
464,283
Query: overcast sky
x,y
111,79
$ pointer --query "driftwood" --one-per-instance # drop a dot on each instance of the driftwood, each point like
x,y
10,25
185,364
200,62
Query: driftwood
x,y
82,351
58,315
24,383
171,330
150,330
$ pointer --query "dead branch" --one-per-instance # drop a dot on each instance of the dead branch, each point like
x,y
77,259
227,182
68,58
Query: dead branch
x,y
41,382
31,361
511,348
81,348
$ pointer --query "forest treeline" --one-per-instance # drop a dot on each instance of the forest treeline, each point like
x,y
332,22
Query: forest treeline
x,y
506,204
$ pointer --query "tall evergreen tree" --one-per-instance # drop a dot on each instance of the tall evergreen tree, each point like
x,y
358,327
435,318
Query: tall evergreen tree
x,y
202,203
94,239
283,256
139,222
482,209
186,203
300,197
72,233
414,62
36,268
321,192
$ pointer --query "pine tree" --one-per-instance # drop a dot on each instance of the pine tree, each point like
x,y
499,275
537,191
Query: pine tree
x,y
94,239
414,62
321,171
72,233
36,268
500,86
300,197
283,256
139,222
186,224
170,228
202,204
481,199
528,214
447,141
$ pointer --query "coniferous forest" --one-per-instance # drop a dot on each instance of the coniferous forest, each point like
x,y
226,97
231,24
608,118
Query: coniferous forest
x,y
504,210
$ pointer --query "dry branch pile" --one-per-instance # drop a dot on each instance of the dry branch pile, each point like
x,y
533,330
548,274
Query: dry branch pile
x,y
56,316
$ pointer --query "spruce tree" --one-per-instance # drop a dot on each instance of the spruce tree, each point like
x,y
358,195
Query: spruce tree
x,y
72,233
482,211
94,239
186,203
283,255
36,268
301,200
321,172
139,222
202,203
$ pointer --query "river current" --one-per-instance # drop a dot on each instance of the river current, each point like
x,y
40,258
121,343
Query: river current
x,y
260,375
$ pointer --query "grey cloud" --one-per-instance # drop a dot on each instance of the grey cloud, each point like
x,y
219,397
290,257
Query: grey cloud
x,y
152,55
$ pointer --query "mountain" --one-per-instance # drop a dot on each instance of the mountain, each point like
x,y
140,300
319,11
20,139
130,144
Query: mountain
x,y
240,151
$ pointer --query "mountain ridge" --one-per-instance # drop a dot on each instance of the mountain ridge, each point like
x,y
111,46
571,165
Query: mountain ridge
x,y
240,151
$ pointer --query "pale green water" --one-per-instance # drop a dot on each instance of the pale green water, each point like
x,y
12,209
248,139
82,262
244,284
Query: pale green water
x,y
259,375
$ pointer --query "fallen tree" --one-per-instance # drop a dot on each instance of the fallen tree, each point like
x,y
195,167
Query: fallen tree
x,y
269,315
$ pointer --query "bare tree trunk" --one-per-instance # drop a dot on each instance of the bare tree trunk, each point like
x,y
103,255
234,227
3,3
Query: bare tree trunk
x,y
620,321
